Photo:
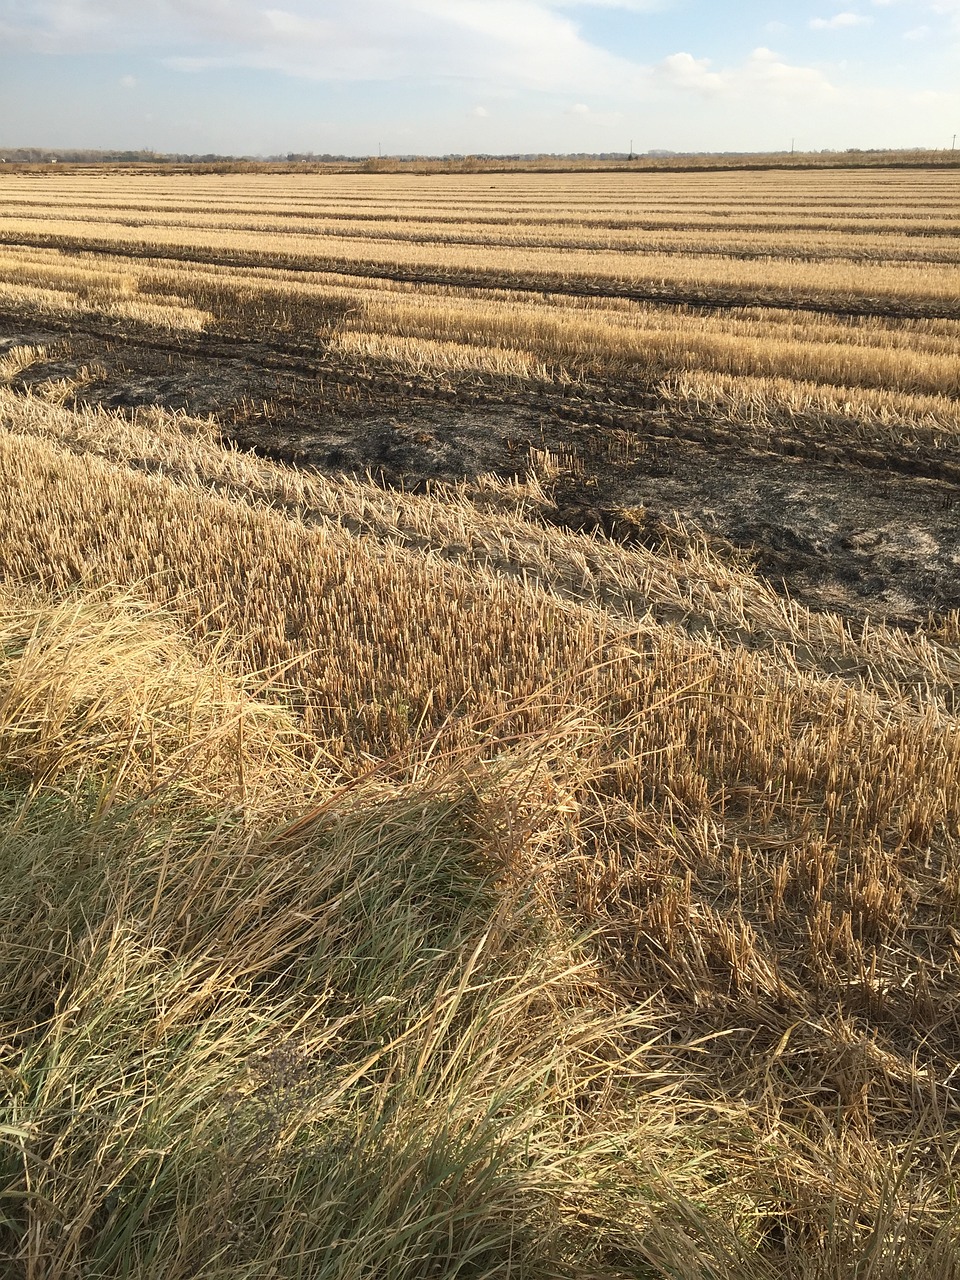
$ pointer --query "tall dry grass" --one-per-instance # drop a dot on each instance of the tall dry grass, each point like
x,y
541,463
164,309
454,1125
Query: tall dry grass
x,y
405,888
252,1023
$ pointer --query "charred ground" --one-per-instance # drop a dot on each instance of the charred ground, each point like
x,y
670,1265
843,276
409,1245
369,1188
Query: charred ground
x,y
835,523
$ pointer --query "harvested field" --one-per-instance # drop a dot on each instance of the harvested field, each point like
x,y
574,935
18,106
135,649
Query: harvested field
x,y
772,357
480,726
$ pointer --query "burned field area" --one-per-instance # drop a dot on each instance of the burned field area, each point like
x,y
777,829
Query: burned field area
x,y
768,358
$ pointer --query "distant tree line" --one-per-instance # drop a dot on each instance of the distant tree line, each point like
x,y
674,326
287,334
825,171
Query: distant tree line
x,y
309,161
54,155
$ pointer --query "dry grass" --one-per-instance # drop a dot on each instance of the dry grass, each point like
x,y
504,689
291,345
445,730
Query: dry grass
x,y
878,416
618,229
930,284
400,886
905,241
749,816
644,343
497,529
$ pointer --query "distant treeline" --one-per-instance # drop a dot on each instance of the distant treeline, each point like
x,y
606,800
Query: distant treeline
x,y
33,157
46,155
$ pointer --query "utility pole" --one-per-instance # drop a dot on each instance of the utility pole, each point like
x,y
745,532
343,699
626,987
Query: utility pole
x,y
792,145
631,149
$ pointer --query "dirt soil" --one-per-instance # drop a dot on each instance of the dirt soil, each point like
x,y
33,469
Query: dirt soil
x,y
838,527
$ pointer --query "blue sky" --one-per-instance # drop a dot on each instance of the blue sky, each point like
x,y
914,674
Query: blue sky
x,y
433,76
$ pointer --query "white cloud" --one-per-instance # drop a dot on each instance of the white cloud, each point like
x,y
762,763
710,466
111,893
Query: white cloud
x,y
481,113
532,43
767,70
687,72
839,21
764,75
930,16
128,82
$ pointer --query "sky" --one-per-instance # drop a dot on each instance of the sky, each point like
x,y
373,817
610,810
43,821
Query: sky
x,y
432,77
